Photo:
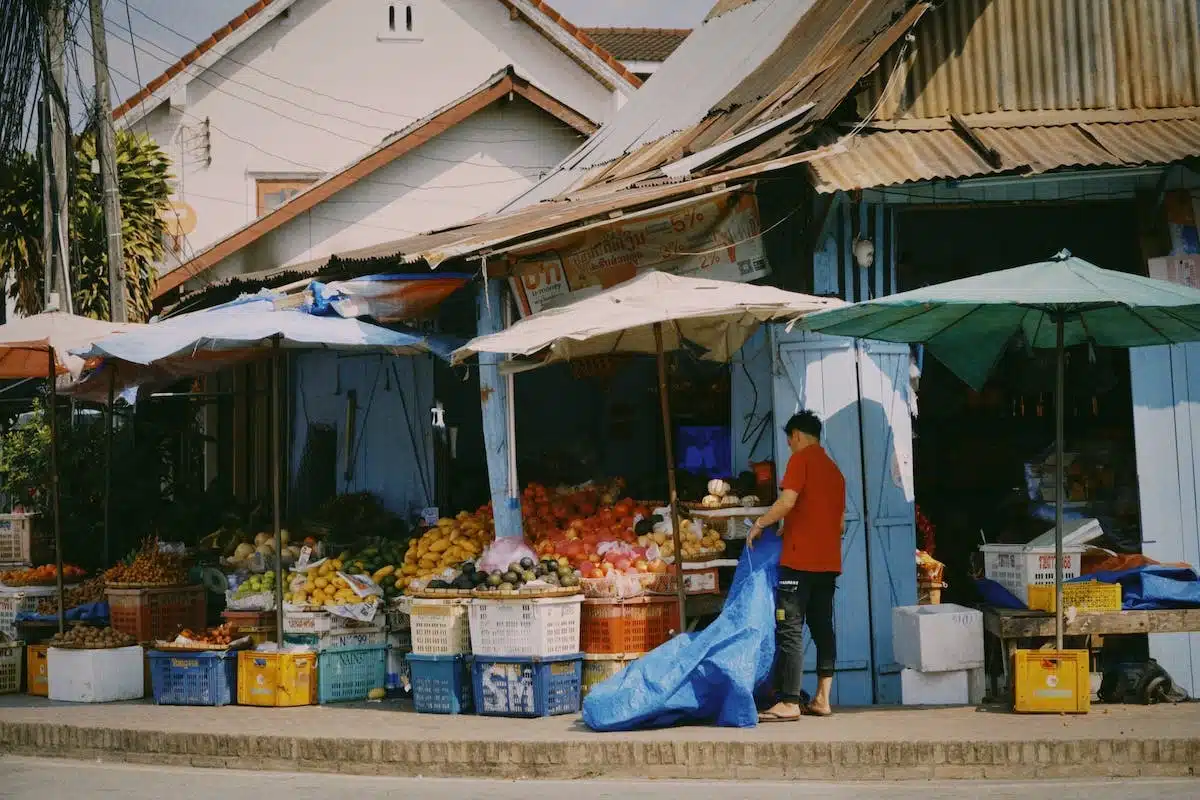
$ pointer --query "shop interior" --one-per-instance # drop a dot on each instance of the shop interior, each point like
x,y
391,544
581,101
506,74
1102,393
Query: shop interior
x,y
980,456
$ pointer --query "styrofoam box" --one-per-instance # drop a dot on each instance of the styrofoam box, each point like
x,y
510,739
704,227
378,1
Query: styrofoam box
x,y
934,688
96,676
937,638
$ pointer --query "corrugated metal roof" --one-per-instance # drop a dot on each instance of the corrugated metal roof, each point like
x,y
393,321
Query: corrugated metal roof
x,y
890,157
748,65
488,233
979,56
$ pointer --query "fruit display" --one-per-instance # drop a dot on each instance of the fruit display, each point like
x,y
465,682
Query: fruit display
x,y
149,567
548,573
45,575
255,584
90,591
697,541
222,635
322,586
445,546
84,637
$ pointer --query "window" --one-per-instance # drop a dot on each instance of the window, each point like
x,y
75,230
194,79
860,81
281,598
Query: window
x,y
274,193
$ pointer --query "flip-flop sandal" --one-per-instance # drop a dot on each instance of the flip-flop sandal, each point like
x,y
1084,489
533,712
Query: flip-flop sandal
x,y
771,716
809,711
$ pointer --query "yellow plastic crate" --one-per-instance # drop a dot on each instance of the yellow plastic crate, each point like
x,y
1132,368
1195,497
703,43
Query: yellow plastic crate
x,y
277,679
1084,596
1052,682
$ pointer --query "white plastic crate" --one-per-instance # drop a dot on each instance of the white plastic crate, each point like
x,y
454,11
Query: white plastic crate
x,y
440,627
12,655
16,536
96,676
11,604
523,628
1015,566
324,622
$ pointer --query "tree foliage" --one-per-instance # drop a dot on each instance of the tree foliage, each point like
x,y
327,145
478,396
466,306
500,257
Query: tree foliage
x,y
144,173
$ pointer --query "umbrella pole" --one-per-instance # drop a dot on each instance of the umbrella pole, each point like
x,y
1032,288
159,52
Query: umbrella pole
x,y
676,533
58,560
108,448
276,488
1059,396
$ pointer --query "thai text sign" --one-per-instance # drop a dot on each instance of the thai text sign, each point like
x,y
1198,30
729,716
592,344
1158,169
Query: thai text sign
x,y
717,238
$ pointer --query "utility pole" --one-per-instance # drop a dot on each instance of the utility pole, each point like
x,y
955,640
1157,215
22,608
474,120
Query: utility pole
x,y
56,87
106,152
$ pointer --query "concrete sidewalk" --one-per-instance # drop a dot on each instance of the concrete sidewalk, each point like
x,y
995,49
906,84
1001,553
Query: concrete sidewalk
x,y
389,739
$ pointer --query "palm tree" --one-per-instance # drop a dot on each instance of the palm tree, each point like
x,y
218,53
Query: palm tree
x,y
144,173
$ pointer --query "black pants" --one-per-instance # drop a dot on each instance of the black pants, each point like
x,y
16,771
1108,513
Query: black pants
x,y
802,596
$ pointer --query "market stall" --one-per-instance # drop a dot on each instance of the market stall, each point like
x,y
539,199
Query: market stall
x,y
654,313
969,325
39,347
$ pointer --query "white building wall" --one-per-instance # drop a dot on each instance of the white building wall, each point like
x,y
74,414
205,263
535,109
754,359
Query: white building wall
x,y
361,82
468,171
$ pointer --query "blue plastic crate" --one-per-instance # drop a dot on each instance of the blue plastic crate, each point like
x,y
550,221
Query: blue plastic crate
x,y
193,679
347,674
527,687
440,684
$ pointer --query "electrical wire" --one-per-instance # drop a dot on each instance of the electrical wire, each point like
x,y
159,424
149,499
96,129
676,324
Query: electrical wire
x,y
322,129
228,57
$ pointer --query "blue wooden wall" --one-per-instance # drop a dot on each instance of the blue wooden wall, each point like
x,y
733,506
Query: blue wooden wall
x,y
392,451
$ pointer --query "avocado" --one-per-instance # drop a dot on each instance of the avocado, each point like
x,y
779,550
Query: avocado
x,y
509,577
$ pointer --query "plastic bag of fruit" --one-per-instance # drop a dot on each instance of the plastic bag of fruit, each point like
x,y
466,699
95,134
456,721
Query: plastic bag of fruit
x,y
504,551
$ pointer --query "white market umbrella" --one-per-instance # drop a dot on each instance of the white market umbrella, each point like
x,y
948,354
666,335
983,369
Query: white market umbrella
x,y
652,314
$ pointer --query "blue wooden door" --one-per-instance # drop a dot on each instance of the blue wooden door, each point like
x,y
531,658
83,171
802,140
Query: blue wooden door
x,y
1166,420
819,373
883,372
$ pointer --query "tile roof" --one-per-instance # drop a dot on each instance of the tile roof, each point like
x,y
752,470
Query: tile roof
x,y
639,44
190,57
252,11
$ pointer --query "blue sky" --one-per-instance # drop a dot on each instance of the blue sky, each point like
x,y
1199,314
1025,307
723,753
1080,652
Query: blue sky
x,y
166,29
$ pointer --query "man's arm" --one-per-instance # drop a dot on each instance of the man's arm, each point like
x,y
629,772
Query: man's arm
x,y
778,510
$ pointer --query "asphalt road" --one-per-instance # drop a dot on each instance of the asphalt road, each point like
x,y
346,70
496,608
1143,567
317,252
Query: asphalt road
x,y
30,779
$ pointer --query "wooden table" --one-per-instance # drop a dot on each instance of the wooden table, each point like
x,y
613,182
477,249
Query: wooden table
x,y
1031,629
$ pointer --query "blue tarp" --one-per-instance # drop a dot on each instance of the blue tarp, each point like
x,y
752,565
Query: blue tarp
x,y
90,612
707,677
1142,589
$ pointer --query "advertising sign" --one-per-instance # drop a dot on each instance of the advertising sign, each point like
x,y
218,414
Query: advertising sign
x,y
716,237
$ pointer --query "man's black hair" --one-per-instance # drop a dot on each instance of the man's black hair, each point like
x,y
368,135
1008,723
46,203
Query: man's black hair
x,y
805,422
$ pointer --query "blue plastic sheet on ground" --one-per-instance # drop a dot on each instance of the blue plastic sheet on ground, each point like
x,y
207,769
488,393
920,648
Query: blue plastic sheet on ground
x,y
706,677
90,612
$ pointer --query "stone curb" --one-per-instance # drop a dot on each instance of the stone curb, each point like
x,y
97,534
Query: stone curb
x,y
611,758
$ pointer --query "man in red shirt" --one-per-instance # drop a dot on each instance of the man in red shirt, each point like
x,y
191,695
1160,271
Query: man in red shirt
x,y
812,506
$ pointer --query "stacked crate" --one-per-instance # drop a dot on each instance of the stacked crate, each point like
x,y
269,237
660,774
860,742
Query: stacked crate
x,y
526,660
439,664
351,656
615,633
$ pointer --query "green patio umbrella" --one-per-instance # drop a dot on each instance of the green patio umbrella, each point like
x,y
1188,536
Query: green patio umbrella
x,y
968,324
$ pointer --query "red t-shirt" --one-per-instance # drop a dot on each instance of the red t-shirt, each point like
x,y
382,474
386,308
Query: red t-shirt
x,y
812,530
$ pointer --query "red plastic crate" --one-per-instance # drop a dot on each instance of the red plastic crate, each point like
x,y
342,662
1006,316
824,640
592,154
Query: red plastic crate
x,y
628,627
150,615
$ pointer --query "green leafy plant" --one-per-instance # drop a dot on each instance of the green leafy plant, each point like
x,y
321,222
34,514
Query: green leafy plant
x,y
144,175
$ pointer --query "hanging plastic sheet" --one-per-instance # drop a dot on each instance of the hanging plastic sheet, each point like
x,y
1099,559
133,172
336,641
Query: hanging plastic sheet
x,y
708,677
384,298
